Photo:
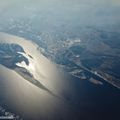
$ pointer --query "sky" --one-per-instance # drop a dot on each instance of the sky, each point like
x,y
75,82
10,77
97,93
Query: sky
x,y
62,12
